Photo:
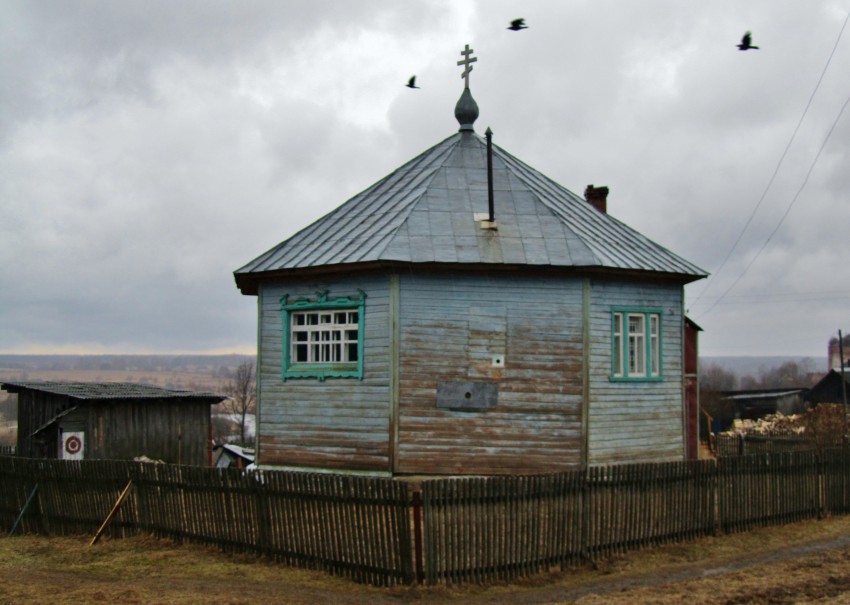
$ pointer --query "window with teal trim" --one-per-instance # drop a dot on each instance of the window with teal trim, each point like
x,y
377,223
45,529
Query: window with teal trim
x,y
636,344
323,338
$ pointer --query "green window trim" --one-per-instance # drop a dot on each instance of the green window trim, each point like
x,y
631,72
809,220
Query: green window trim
x,y
331,335
636,344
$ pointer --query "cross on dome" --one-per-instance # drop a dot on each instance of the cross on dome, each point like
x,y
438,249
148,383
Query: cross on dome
x,y
466,110
466,62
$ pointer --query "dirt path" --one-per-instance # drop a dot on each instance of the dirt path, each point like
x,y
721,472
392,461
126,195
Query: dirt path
x,y
801,563
739,580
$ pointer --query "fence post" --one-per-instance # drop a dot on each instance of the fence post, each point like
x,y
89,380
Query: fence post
x,y
584,520
417,535
715,496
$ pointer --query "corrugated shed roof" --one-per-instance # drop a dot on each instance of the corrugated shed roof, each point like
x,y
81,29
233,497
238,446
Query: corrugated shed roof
x,y
108,390
424,212
765,394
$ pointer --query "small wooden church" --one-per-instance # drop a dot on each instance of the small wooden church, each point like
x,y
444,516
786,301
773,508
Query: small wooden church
x,y
468,315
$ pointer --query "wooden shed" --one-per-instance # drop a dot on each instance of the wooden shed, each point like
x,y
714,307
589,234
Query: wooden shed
x,y
468,315
758,403
834,387
115,421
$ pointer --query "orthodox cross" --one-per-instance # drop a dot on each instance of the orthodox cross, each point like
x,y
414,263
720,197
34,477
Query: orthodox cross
x,y
466,62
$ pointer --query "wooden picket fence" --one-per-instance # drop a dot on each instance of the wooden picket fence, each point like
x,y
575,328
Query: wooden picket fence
x,y
502,528
355,527
454,530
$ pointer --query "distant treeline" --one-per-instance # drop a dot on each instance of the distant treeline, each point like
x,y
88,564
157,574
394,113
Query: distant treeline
x,y
149,363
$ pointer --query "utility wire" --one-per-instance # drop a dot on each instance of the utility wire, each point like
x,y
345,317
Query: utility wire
x,y
775,171
787,210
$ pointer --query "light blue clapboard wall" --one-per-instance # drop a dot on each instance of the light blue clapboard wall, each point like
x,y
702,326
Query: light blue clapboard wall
x,y
338,423
451,326
425,329
635,421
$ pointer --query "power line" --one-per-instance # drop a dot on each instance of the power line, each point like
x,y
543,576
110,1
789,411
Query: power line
x,y
776,170
778,300
787,210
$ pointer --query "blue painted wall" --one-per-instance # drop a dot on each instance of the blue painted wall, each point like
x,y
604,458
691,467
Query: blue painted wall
x,y
423,330
635,421
340,423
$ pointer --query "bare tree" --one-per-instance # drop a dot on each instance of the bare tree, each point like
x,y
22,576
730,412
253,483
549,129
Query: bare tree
x,y
241,392
713,380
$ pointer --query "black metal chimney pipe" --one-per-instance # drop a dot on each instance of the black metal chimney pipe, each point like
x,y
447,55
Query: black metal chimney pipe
x,y
489,134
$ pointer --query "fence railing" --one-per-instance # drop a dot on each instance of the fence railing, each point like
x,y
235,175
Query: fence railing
x,y
373,530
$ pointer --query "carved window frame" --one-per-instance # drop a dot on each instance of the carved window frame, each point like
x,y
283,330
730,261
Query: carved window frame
x,y
322,307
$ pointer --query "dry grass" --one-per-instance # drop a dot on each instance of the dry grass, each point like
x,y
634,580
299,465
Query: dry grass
x,y
775,565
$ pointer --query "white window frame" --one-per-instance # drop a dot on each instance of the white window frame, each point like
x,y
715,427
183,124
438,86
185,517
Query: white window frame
x,y
324,336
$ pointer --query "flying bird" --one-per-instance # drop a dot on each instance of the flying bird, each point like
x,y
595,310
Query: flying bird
x,y
518,24
746,42
411,83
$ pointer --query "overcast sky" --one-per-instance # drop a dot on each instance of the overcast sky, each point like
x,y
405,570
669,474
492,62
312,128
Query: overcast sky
x,y
148,149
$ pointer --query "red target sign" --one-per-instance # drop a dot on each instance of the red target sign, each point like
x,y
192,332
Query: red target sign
x,y
72,446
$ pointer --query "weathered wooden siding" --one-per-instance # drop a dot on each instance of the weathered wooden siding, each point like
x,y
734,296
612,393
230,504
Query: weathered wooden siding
x,y
35,409
635,421
178,433
450,328
337,423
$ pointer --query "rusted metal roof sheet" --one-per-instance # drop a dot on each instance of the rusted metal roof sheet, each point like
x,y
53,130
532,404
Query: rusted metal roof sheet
x,y
425,212
84,391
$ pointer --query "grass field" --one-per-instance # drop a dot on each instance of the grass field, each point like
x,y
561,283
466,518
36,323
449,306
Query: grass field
x,y
806,562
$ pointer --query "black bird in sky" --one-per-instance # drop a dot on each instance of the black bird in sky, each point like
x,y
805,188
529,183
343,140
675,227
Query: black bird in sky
x,y
746,42
411,83
518,24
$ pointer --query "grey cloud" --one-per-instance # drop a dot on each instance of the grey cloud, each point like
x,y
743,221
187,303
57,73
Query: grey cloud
x,y
149,149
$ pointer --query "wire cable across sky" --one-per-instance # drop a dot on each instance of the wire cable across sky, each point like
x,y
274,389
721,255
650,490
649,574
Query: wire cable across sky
x,y
770,183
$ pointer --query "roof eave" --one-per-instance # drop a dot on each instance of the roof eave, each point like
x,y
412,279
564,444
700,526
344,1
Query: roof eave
x,y
249,283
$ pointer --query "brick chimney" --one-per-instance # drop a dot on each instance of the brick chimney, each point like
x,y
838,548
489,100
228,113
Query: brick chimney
x,y
597,197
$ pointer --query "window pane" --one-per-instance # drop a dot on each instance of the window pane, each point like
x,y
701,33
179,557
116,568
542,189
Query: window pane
x,y
655,345
332,336
637,345
618,344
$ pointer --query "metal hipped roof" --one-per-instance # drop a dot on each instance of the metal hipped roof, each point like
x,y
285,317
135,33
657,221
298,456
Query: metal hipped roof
x,y
108,390
425,212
